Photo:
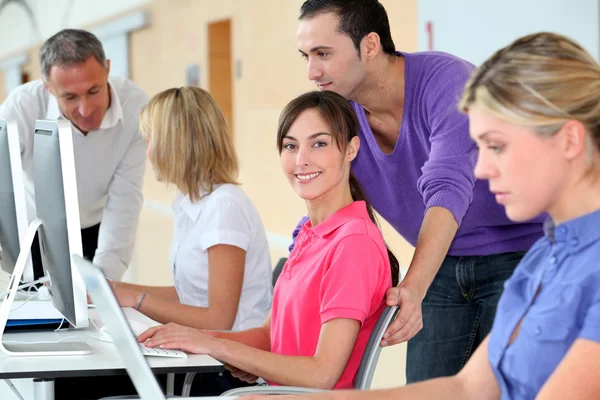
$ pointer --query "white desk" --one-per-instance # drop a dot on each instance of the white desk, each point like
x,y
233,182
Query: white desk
x,y
106,359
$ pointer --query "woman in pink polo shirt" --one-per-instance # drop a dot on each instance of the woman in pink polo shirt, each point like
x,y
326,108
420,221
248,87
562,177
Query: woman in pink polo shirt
x,y
331,290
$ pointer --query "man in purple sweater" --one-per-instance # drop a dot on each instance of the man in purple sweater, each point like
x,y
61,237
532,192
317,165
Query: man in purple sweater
x,y
416,165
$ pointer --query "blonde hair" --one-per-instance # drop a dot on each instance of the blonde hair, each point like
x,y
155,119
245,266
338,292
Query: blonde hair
x,y
540,81
190,144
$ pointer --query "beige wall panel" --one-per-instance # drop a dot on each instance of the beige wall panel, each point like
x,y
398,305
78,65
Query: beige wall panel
x,y
32,67
157,192
403,23
151,258
400,247
176,38
391,368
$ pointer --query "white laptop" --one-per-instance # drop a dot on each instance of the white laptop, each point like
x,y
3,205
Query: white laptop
x,y
111,315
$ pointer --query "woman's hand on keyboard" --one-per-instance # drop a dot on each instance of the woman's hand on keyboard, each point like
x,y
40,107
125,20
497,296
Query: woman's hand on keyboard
x,y
174,336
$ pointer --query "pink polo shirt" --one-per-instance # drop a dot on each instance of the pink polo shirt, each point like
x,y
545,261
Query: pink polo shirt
x,y
339,269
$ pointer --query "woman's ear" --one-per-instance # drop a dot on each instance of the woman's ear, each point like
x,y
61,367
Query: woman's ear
x,y
574,139
352,148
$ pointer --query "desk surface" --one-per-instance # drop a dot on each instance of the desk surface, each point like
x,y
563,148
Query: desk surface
x,y
104,361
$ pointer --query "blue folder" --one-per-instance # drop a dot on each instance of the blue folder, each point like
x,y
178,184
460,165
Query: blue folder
x,y
29,322
34,324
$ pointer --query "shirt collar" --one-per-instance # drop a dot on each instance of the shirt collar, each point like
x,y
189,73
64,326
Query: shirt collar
x,y
184,204
113,115
579,232
356,209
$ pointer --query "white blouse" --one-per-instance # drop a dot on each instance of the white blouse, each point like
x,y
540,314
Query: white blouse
x,y
226,216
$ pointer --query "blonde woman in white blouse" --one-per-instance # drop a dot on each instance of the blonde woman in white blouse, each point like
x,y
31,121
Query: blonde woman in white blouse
x,y
219,254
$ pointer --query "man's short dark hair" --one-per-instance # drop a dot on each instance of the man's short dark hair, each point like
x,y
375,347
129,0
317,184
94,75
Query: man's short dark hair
x,y
69,47
358,18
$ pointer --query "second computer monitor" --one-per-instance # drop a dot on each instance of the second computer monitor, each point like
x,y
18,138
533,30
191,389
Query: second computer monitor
x,y
57,205
13,208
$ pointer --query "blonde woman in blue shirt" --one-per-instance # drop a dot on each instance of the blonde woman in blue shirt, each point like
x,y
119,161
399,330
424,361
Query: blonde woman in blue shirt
x,y
534,110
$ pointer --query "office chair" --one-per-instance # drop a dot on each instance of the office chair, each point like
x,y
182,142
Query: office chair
x,y
366,369
278,268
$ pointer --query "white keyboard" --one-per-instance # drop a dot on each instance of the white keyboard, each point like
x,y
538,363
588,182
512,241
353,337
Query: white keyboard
x,y
159,352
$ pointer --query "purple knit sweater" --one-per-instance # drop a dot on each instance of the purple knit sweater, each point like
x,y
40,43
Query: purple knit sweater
x,y
432,164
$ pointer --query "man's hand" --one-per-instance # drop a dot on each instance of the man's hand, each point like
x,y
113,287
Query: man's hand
x,y
409,320
437,233
241,375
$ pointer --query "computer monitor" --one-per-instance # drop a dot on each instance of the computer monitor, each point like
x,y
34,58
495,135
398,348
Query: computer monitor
x,y
57,206
13,207
58,228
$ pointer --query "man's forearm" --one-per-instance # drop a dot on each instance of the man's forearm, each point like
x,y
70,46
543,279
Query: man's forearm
x,y
113,266
437,233
116,239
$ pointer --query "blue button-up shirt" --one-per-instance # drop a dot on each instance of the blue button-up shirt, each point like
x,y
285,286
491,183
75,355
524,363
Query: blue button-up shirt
x,y
564,266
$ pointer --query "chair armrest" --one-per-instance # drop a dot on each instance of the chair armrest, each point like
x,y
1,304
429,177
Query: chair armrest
x,y
270,390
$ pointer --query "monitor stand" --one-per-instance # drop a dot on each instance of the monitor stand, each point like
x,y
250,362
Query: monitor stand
x,y
32,349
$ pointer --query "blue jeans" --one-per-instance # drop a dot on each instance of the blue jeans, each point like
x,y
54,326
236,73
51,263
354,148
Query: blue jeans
x,y
458,313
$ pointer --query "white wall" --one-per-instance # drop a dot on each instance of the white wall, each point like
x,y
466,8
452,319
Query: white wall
x,y
474,29
17,33
13,72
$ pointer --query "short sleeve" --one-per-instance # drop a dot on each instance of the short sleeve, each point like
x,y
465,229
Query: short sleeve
x,y
224,222
352,279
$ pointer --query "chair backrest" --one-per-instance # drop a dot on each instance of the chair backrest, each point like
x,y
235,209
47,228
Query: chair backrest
x,y
368,363
278,269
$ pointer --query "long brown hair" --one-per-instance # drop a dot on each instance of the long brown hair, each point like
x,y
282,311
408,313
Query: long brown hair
x,y
339,115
